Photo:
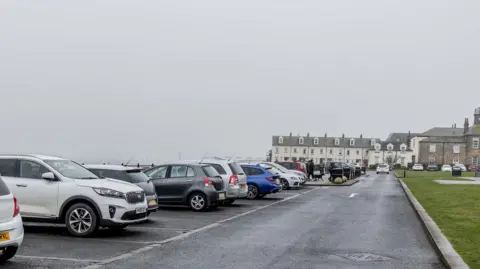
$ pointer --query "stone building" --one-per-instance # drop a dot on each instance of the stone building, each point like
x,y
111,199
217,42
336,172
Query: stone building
x,y
453,145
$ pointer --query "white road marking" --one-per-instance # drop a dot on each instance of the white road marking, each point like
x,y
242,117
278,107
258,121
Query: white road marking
x,y
183,236
352,195
54,258
324,187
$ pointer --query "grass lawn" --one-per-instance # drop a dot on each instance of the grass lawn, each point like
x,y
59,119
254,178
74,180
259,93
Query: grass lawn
x,y
433,175
455,209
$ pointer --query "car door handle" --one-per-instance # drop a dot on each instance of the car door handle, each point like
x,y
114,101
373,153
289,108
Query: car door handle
x,y
22,185
189,180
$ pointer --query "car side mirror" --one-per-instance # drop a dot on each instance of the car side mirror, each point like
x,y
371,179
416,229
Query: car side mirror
x,y
48,176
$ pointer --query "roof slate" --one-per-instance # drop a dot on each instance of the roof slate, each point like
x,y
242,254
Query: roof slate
x,y
443,131
323,141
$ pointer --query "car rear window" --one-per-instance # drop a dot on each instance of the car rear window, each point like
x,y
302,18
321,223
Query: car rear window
x,y
3,188
236,169
136,176
382,166
219,168
210,171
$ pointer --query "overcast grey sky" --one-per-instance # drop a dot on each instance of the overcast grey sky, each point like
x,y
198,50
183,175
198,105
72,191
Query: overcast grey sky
x,y
110,80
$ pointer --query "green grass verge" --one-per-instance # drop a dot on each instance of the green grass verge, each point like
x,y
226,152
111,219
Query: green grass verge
x,y
455,209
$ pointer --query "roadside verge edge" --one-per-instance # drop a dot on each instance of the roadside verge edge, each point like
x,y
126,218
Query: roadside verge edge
x,y
450,258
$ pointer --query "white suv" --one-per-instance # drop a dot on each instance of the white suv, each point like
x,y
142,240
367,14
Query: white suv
x,y
232,174
55,189
11,226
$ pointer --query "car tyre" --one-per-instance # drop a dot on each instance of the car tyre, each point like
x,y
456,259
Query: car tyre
x,y
252,192
81,220
7,253
197,201
285,184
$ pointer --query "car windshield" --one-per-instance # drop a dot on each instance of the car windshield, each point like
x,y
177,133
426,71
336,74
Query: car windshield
x,y
446,165
382,166
71,169
273,170
136,176
278,167
236,169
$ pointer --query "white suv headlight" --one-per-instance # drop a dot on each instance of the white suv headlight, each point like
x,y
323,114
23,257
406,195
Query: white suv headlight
x,y
109,193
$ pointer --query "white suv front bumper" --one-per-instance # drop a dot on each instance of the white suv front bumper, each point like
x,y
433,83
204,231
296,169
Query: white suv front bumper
x,y
116,211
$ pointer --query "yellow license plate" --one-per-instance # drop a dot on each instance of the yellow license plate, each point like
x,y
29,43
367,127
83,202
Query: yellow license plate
x,y
221,196
152,202
4,236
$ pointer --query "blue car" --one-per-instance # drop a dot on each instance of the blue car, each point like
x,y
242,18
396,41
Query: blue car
x,y
260,181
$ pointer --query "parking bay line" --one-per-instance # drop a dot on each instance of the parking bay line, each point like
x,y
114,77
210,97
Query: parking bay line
x,y
183,236
55,259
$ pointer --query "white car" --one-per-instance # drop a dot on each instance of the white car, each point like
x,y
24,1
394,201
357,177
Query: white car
x,y
446,168
383,168
59,190
461,166
417,167
282,169
287,179
11,226
232,174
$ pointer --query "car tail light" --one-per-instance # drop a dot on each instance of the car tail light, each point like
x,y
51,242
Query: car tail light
x,y
270,179
233,180
207,181
16,209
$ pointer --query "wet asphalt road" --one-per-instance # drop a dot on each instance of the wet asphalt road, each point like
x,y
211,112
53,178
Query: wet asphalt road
x,y
367,225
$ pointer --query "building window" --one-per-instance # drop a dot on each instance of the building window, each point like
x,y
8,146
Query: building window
x,y
315,141
377,159
340,152
389,147
431,159
348,152
377,147
373,142
312,151
402,161
301,140
294,150
475,143
403,147
321,151
285,158
475,161
337,141
280,140
433,148
358,152
304,151
456,149
276,150
352,142
331,151
456,160
286,150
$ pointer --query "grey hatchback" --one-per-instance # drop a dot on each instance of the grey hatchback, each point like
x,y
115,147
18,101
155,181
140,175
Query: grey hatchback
x,y
197,185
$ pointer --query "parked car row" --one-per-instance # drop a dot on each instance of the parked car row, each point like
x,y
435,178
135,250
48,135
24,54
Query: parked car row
x,y
86,197
435,167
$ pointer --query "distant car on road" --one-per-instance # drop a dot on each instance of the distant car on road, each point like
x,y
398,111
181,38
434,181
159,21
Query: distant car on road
x,y
432,167
261,181
11,225
52,189
383,169
129,174
446,168
417,167
199,186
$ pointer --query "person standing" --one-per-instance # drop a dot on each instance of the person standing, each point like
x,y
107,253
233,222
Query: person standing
x,y
310,166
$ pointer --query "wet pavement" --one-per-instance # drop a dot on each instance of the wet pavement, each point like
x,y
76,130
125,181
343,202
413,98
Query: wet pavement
x,y
367,225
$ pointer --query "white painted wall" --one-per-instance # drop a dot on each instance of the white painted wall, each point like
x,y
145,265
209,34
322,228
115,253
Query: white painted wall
x,y
336,154
381,156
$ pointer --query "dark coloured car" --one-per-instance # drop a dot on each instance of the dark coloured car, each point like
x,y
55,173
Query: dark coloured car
x,y
294,166
129,174
432,167
197,185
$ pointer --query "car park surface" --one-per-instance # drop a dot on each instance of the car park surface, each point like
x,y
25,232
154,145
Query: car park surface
x,y
52,247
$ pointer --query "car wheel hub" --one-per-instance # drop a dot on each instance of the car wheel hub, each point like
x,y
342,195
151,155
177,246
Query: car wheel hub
x,y
80,220
252,191
197,202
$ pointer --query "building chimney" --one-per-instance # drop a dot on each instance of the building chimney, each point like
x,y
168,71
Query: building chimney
x,y
465,126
